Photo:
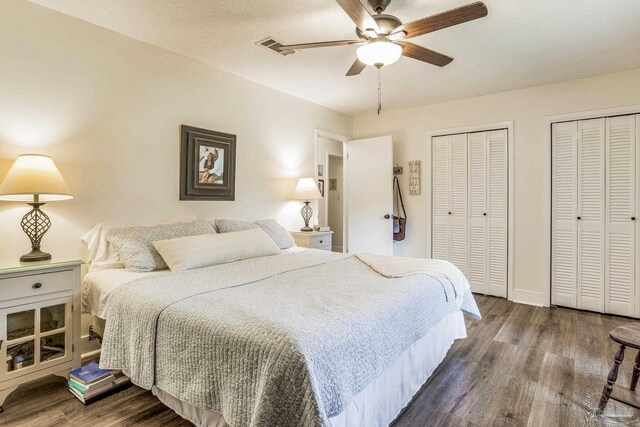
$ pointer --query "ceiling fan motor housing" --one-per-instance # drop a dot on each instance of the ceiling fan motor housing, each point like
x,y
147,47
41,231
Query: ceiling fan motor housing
x,y
379,5
387,24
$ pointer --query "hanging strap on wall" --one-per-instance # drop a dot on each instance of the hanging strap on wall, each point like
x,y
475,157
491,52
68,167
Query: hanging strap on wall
x,y
399,222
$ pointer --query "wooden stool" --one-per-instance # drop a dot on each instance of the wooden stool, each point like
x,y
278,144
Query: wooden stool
x,y
627,336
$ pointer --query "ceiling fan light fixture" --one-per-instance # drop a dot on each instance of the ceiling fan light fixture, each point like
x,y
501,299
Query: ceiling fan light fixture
x,y
379,53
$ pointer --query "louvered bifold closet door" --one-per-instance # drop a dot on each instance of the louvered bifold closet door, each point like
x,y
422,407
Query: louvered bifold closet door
x,y
497,212
459,216
620,288
441,197
591,214
478,277
564,259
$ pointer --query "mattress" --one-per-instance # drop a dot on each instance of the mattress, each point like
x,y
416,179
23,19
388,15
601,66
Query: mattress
x,y
378,404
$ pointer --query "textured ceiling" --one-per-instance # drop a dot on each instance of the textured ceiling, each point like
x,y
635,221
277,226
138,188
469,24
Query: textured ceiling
x,y
521,43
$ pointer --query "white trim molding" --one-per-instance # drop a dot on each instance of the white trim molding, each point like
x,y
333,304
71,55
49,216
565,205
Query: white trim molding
x,y
345,166
524,297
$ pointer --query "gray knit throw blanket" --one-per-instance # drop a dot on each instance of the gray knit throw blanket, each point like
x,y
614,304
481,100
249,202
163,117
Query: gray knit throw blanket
x,y
285,340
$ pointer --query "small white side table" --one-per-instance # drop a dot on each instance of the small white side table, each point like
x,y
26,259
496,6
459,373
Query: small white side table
x,y
313,239
39,322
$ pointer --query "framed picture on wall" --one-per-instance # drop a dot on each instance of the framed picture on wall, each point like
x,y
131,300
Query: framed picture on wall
x,y
321,186
207,164
320,171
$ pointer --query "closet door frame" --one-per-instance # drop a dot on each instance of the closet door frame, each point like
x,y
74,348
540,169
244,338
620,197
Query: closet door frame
x,y
512,295
586,115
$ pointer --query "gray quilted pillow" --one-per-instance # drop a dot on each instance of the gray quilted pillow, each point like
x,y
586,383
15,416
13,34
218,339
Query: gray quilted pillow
x,y
135,244
270,226
277,232
232,225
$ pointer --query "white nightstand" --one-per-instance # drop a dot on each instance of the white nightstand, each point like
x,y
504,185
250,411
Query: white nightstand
x,y
313,239
39,322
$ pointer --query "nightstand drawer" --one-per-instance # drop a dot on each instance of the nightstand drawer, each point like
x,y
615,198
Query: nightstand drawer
x,y
318,241
36,284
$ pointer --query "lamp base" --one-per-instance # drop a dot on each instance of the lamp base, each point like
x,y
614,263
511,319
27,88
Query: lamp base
x,y
35,255
306,213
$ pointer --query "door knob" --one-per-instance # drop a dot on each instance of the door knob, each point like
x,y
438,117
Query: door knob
x,y
579,217
387,216
633,218
484,214
449,213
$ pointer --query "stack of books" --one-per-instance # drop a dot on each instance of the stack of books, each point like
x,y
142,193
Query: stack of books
x,y
90,383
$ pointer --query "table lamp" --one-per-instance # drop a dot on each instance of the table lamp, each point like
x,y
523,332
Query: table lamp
x,y
306,190
35,179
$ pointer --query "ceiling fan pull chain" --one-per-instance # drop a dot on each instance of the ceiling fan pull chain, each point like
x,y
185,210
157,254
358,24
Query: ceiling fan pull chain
x,y
379,90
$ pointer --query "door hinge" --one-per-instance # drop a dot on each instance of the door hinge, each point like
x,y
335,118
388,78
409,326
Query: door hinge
x,y
73,348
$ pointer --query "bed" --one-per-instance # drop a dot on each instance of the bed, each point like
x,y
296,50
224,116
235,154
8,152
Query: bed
x,y
302,338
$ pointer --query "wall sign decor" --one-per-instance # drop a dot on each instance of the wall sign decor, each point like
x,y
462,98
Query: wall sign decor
x,y
207,164
414,177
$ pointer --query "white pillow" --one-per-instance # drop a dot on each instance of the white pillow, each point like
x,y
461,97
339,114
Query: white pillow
x,y
187,253
102,254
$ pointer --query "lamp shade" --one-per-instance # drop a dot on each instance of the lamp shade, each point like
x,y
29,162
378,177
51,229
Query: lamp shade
x,y
34,174
307,189
379,53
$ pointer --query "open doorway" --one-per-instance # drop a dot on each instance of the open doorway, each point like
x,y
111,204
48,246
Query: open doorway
x,y
330,175
334,198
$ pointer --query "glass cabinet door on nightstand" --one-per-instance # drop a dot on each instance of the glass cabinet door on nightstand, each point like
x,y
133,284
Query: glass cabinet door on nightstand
x,y
35,336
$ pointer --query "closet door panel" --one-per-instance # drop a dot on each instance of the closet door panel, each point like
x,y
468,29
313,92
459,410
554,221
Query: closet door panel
x,y
477,212
459,211
621,176
441,201
497,212
564,213
591,225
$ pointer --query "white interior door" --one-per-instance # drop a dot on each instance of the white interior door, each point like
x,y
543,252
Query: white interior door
x,y
441,200
459,215
478,212
564,213
621,212
370,195
591,243
497,212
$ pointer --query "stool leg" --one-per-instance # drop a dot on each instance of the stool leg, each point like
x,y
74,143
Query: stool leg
x,y
636,373
611,380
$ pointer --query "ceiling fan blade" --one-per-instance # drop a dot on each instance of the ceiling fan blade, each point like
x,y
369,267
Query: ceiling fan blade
x,y
443,20
320,44
359,14
356,68
412,50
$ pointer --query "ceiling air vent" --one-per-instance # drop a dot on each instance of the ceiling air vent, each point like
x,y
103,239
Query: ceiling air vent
x,y
273,45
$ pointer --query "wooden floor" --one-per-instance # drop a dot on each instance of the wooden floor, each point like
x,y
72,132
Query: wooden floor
x,y
520,366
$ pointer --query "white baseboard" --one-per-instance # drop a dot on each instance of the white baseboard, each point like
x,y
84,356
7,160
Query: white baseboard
x,y
538,299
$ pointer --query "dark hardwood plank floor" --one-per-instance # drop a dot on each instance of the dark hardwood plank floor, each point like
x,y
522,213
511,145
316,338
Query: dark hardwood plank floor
x,y
520,366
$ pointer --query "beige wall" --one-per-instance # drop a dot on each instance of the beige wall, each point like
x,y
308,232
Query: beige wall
x,y
529,109
108,109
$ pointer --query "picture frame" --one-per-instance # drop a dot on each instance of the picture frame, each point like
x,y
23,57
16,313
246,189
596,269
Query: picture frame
x,y
207,164
320,171
321,187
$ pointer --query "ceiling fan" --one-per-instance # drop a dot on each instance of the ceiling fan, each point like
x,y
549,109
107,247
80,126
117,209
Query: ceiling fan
x,y
381,37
